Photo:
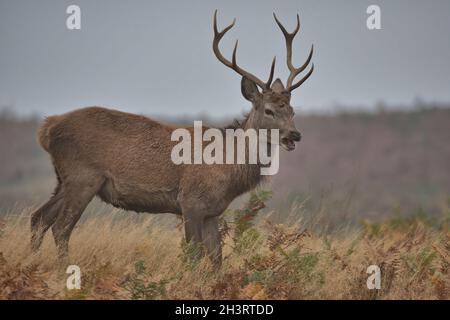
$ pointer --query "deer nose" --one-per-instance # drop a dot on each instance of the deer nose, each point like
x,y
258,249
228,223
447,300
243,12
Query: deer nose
x,y
295,135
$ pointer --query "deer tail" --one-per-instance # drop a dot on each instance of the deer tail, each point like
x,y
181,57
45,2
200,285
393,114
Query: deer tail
x,y
44,132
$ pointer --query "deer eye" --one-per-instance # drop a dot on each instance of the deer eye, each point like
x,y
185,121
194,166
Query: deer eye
x,y
269,112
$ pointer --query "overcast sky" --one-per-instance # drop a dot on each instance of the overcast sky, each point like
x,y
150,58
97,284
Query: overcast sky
x,y
155,57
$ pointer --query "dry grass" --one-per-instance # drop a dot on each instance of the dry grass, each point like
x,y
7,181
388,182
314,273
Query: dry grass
x,y
124,257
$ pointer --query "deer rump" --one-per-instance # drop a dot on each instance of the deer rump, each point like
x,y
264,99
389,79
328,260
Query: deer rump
x,y
130,153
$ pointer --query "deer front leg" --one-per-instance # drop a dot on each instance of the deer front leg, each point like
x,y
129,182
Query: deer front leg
x,y
212,240
193,228
201,213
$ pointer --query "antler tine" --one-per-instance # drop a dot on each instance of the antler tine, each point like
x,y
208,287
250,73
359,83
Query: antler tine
x,y
296,71
299,83
233,57
289,37
272,70
283,29
218,35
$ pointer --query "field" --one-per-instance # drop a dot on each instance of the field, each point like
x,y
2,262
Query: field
x,y
363,189
142,257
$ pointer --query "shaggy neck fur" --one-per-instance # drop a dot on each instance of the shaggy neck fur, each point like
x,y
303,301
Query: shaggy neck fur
x,y
246,176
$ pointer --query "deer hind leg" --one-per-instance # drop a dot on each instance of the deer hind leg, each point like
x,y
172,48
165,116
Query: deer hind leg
x,y
212,240
44,217
77,195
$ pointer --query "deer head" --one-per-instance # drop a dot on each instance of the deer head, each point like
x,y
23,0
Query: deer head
x,y
271,107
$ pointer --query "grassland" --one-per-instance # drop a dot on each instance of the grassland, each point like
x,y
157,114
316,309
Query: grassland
x,y
125,256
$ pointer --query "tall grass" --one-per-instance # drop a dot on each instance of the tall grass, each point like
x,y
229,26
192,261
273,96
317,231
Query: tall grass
x,y
124,257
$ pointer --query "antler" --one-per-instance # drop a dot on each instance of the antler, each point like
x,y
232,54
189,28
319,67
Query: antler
x,y
294,71
232,64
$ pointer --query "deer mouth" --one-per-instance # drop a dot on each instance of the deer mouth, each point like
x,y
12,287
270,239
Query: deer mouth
x,y
288,144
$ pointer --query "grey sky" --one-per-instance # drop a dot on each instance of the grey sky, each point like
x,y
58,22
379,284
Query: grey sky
x,y
155,57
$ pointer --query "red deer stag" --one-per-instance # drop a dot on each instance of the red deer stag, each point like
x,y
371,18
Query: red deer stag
x,y
125,159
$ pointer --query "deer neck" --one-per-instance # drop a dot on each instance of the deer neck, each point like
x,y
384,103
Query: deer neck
x,y
247,176
251,121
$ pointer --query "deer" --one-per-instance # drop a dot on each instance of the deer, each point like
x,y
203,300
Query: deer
x,y
124,159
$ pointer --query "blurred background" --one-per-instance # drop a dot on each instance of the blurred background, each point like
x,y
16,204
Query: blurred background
x,y
374,115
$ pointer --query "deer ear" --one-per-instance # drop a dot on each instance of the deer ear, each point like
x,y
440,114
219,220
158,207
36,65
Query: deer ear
x,y
249,89
277,86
